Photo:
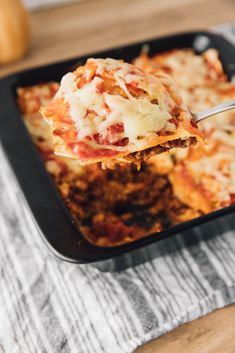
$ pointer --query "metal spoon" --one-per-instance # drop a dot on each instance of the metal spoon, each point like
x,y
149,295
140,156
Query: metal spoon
x,y
213,111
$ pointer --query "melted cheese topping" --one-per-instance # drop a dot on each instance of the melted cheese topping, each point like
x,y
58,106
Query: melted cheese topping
x,y
139,116
201,84
216,174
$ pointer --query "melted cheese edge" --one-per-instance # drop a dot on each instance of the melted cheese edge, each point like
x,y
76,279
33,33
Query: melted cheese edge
x,y
222,167
140,117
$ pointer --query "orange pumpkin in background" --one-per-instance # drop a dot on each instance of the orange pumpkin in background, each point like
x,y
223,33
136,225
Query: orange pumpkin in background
x,y
14,31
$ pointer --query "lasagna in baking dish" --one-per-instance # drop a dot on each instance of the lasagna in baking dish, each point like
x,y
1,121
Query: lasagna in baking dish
x,y
113,112
112,207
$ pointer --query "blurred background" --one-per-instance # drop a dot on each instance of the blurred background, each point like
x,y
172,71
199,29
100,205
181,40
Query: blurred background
x,y
58,29
33,5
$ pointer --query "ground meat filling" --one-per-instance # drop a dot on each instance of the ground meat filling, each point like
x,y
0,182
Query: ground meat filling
x,y
138,157
116,206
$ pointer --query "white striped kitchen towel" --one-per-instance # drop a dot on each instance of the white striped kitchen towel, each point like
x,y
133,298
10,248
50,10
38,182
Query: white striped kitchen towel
x,y
50,306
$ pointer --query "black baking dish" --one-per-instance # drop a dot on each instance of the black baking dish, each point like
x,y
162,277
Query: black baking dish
x,y
53,219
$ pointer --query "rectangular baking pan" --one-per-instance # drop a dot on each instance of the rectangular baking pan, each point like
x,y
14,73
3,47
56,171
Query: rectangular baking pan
x,y
54,221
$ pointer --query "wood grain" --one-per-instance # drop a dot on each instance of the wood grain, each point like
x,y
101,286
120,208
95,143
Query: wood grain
x,y
89,26
213,333
85,27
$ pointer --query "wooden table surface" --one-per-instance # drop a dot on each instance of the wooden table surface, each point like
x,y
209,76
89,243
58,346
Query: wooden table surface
x,y
68,31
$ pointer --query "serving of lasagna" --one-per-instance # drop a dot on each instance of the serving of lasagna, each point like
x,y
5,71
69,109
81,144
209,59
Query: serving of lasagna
x,y
112,207
113,112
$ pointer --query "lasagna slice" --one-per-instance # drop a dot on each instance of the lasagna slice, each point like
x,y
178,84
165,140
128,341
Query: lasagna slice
x,y
204,178
188,69
112,112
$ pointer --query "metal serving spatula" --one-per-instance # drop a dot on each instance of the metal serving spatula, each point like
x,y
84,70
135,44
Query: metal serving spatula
x,y
214,110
